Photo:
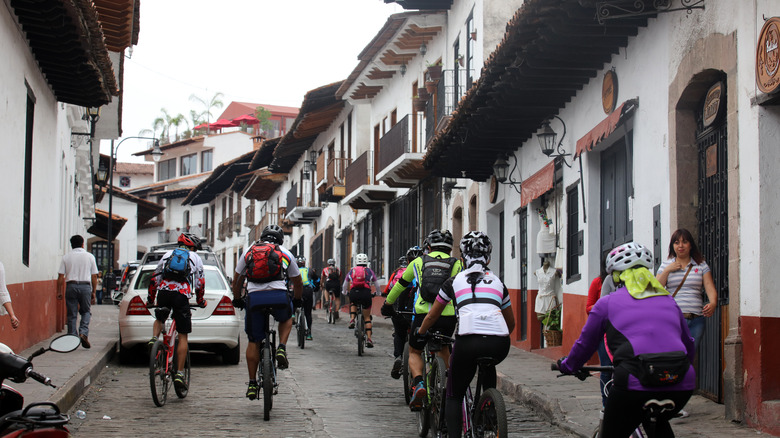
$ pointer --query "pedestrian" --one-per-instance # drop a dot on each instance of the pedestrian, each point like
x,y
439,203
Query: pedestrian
x,y
77,281
99,293
5,299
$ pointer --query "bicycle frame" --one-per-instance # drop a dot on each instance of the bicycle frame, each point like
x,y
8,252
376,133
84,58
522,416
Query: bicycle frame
x,y
169,340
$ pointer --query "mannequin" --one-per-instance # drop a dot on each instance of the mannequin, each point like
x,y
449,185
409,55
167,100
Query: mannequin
x,y
547,299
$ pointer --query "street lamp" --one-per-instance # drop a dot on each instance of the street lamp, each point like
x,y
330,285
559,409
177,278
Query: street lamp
x,y
547,142
503,174
110,279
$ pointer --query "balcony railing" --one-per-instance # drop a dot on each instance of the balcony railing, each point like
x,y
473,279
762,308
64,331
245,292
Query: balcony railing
x,y
337,169
292,197
236,223
358,173
403,138
451,87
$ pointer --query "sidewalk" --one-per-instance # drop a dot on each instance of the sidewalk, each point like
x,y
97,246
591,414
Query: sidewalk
x,y
524,376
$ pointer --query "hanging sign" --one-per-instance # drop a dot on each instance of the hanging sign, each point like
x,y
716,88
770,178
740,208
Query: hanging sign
x,y
768,56
493,195
609,91
713,104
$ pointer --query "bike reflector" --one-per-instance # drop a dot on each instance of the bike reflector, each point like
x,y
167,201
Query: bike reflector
x,y
225,307
137,307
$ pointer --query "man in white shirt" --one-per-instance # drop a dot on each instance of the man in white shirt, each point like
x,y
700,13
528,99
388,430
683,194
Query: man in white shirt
x,y
77,281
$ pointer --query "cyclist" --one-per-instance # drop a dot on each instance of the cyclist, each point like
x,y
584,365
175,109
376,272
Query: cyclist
x,y
485,320
310,281
173,290
649,338
361,284
265,265
332,278
404,302
430,270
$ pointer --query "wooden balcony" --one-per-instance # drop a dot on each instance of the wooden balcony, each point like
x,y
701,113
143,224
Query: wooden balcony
x,y
361,191
249,215
400,153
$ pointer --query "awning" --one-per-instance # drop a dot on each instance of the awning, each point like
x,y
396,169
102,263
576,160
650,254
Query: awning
x,y
606,126
537,185
100,227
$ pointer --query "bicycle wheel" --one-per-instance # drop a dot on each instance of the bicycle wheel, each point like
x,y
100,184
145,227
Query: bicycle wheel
x,y
359,332
423,415
406,373
181,393
267,373
158,377
490,415
438,395
329,309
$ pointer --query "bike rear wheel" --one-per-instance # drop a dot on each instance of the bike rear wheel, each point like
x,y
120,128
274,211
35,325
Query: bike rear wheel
x,y
158,376
301,326
331,318
360,333
423,415
490,415
267,373
438,390
181,393
406,373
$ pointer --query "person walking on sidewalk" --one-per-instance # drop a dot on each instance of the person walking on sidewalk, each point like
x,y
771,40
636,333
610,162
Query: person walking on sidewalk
x,y
430,270
361,284
651,344
77,282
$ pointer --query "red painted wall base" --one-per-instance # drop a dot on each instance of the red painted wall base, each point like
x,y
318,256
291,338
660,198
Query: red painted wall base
x,y
760,362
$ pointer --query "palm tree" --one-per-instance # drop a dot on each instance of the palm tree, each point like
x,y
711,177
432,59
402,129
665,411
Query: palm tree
x,y
214,102
163,123
177,121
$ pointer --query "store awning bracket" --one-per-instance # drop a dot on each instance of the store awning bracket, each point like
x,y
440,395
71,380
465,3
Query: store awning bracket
x,y
615,9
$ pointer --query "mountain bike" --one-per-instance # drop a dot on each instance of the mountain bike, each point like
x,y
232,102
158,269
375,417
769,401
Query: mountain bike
x,y
301,327
266,374
652,408
162,360
407,379
486,417
360,329
333,310
431,416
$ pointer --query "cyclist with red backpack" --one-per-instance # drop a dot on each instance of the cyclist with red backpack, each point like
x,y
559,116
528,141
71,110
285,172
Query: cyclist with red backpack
x,y
331,277
361,284
178,272
431,271
265,265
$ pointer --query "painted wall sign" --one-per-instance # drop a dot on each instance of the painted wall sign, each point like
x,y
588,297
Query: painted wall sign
x,y
768,56
493,189
713,104
609,91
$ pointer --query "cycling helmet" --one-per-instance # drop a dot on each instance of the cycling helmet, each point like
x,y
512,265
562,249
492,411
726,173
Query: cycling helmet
x,y
413,252
331,262
272,233
476,245
301,261
440,239
402,261
629,255
361,259
189,240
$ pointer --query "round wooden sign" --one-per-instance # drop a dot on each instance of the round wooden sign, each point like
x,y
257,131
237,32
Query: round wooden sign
x,y
768,56
493,189
609,91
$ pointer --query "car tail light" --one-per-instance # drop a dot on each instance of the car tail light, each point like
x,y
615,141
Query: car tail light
x,y
137,307
225,307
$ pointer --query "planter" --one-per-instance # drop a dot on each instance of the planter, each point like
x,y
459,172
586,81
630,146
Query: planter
x,y
423,93
430,86
434,72
553,338
418,104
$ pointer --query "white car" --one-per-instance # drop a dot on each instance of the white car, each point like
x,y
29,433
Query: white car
x,y
215,328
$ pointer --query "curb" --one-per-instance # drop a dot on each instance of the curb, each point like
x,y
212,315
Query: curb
x,y
68,393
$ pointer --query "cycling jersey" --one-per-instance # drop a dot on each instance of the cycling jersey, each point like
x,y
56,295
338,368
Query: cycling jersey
x,y
196,280
479,305
414,271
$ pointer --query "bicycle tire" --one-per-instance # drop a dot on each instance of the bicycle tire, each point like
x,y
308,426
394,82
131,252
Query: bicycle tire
x,y
438,396
181,393
490,415
330,312
423,415
359,332
301,326
267,373
407,381
158,378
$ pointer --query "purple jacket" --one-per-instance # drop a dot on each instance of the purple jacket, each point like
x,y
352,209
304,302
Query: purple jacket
x,y
634,327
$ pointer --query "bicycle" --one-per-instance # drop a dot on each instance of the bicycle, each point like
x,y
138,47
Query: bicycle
x,y
360,329
333,310
652,408
407,380
431,416
302,328
266,374
162,361
486,417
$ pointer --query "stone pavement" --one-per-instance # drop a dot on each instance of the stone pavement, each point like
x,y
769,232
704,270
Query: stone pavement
x,y
525,376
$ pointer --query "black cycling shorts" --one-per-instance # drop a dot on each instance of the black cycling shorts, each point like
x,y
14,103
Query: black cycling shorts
x,y
180,306
333,287
361,296
444,325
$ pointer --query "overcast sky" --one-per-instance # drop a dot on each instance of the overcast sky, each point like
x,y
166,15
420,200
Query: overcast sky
x,y
263,51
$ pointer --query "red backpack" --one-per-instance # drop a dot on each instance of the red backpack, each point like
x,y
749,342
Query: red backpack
x,y
264,262
359,280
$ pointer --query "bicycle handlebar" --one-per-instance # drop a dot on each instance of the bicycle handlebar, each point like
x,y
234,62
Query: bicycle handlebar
x,y
586,369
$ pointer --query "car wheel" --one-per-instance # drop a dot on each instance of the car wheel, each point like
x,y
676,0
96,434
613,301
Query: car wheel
x,y
231,356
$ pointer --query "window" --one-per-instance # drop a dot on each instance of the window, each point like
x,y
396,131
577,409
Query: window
x,y
28,169
206,160
288,122
166,169
189,164
470,46
186,221
574,243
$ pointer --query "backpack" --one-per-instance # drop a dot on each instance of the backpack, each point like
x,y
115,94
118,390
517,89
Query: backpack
x,y
359,280
177,266
333,274
435,272
307,280
264,262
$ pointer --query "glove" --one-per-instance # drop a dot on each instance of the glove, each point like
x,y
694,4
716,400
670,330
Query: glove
x,y
149,303
201,302
297,302
239,303
417,337
581,374
558,364
387,309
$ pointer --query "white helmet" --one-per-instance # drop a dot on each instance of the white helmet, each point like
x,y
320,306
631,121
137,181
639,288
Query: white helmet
x,y
361,259
629,255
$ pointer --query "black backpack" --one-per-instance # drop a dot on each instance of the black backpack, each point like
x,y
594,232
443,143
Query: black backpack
x,y
435,271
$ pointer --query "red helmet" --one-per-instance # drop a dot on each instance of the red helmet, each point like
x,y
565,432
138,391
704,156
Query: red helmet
x,y
189,240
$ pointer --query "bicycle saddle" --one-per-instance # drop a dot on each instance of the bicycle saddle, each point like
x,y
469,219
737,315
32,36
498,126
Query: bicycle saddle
x,y
486,361
657,407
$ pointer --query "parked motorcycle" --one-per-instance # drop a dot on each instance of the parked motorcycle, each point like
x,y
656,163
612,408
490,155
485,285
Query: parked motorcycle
x,y
37,419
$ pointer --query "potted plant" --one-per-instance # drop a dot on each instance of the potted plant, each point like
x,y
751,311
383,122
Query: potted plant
x,y
418,104
430,86
423,93
552,327
434,71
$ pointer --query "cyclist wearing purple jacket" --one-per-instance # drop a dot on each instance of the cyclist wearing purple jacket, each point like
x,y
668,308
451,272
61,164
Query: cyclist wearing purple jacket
x,y
649,339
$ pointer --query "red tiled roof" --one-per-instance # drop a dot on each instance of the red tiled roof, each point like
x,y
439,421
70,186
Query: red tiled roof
x,y
235,109
135,168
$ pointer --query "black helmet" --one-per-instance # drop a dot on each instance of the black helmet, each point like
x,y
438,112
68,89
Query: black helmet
x,y
301,261
413,252
440,239
272,233
189,240
476,245
402,261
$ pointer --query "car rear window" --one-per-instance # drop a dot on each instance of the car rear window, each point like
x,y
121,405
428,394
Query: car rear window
x,y
214,281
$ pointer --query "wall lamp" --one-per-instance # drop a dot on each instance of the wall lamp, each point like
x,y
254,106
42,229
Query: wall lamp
x,y
403,69
423,49
548,145
503,174
313,160
92,115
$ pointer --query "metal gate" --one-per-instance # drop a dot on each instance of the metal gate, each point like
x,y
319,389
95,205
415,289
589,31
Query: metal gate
x,y
523,274
713,241
316,262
